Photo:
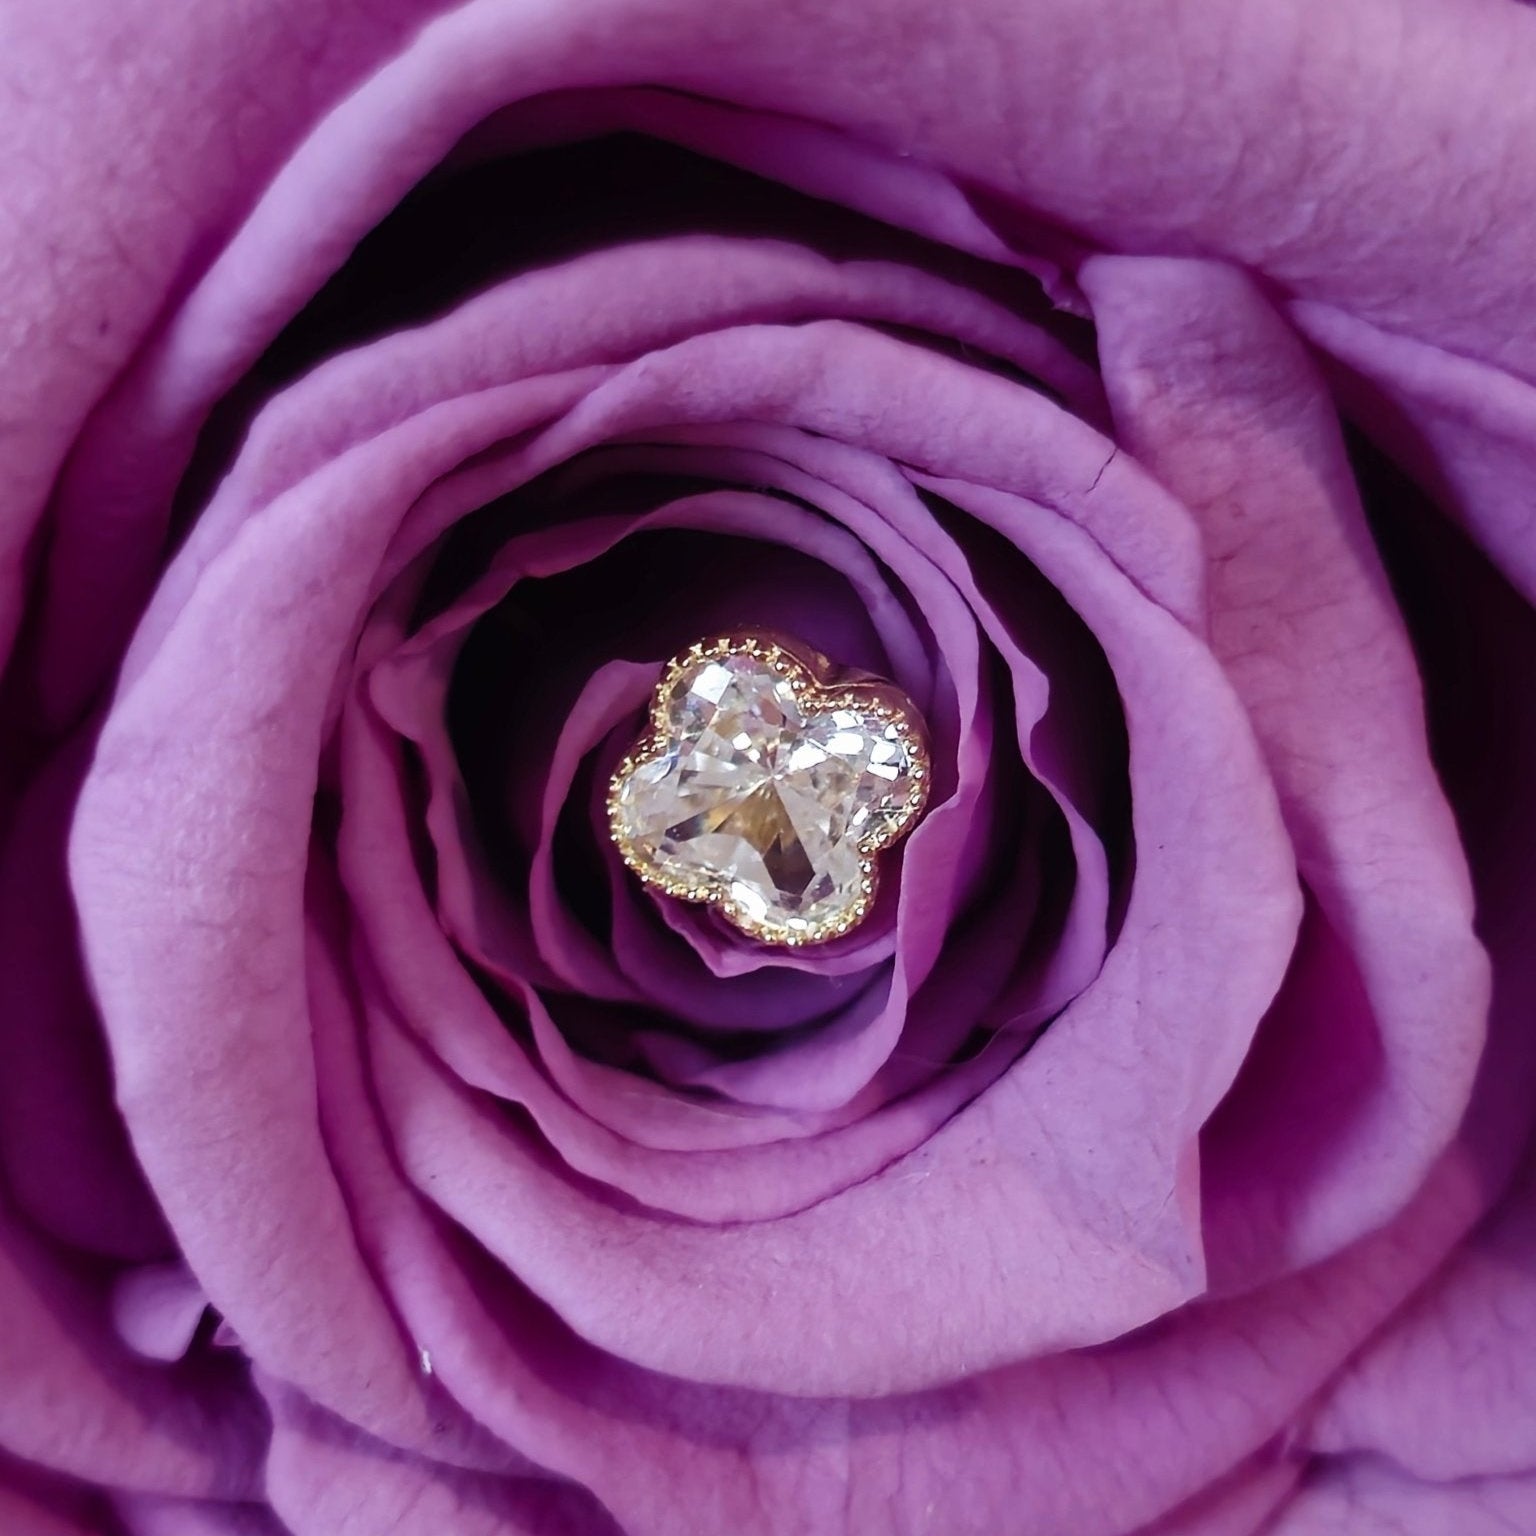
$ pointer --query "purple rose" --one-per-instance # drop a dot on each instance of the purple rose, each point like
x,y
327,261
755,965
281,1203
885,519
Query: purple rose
x,y
389,392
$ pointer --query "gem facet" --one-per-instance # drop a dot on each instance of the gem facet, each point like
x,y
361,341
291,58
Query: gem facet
x,y
766,789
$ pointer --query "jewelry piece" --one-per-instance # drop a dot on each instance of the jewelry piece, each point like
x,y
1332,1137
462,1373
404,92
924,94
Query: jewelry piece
x,y
766,785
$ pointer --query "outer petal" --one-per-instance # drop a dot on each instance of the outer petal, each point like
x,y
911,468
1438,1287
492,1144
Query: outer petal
x,y
67,1158
31,1505
1138,161
1096,1443
1211,390
179,1517
1446,1391
1239,1504
1135,162
1465,430
326,1479
136,134
114,501
1449,1390
77,1401
1371,1498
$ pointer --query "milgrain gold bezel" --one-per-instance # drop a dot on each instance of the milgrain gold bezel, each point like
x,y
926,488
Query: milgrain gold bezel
x,y
818,687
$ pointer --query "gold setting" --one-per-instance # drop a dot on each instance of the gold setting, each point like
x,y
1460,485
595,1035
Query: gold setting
x,y
819,688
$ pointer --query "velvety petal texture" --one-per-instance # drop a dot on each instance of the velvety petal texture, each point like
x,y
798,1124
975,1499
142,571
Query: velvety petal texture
x,y
387,397
1212,391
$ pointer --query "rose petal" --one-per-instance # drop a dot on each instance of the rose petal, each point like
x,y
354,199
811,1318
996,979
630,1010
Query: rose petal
x,y
156,1310
1467,431
876,502
31,1505
1096,1442
1444,1391
243,1177
107,208
626,299
808,156
835,394
325,1479
1448,1391
927,412
180,1517
67,1158
1238,1504
1154,541
1212,392
1133,1254
1131,163
78,1402
938,856
1368,1498
508,1199
453,1018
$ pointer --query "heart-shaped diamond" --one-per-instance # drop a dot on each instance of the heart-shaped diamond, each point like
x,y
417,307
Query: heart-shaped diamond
x,y
766,788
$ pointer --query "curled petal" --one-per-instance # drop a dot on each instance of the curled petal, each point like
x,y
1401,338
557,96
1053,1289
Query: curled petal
x,y
1371,1498
1216,396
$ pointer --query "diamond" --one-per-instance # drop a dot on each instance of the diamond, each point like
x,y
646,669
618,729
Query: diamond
x,y
765,788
